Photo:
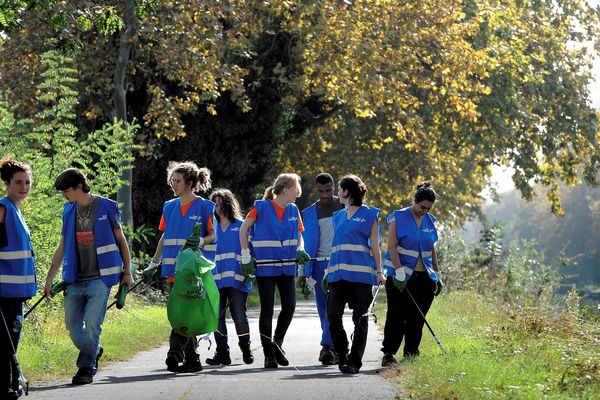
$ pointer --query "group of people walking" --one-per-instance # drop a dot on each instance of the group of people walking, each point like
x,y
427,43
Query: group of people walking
x,y
332,246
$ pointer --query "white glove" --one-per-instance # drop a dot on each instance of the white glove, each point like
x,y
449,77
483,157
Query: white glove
x,y
400,274
246,257
201,242
154,263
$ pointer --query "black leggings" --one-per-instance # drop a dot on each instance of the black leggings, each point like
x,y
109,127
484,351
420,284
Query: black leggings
x,y
403,319
266,291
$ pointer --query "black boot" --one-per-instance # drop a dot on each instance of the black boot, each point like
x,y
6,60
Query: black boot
x,y
279,353
219,358
247,355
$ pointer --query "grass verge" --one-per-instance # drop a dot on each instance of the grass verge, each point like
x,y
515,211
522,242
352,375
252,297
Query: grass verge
x,y
46,352
494,352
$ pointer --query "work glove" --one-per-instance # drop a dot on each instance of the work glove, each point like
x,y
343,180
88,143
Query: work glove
x,y
325,285
400,280
247,264
439,284
306,290
302,257
193,242
151,272
301,282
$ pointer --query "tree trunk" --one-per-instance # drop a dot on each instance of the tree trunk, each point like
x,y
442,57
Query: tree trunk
x,y
126,40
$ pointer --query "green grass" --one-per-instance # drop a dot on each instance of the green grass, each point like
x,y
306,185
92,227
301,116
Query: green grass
x,y
495,353
46,352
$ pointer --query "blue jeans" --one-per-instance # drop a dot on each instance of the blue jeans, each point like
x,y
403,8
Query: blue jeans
x,y
85,307
321,299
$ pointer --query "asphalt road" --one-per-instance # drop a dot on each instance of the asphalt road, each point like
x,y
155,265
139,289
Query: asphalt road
x,y
145,376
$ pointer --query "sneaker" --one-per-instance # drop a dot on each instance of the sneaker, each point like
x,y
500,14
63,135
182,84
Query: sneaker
x,y
247,356
279,355
389,360
99,355
190,367
270,362
172,363
219,358
327,356
83,376
348,369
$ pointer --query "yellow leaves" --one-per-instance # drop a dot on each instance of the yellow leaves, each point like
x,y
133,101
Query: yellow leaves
x,y
364,113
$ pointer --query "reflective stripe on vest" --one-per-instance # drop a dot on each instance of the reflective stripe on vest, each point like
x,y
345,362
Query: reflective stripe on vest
x,y
15,255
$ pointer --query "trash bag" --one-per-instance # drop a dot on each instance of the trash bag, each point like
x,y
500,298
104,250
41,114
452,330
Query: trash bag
x,y
193,306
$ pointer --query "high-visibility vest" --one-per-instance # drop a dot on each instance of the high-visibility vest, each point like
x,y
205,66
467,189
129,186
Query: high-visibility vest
x,y
227,272
275,240
351,258
17,273
178,228
110,263
412,242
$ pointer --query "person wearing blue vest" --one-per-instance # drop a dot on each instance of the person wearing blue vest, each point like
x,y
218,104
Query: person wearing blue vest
x,y
276,235
354,268
17,273
318,236
95,256
233,285
410,263
179,217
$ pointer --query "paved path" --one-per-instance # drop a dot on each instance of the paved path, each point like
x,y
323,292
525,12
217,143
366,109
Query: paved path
x,y
145,377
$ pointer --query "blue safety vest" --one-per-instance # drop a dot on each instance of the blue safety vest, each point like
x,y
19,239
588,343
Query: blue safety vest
x,y
310,236
275,240
178,228
412,241
17,273
227,258
110,263
351,259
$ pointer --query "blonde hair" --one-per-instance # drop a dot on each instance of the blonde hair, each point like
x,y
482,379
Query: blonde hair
x,y
199,177
283,181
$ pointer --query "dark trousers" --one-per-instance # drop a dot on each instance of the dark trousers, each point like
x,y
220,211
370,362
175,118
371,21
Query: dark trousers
x,y
403,320
358,296
184,348
238,308
266,291
12,310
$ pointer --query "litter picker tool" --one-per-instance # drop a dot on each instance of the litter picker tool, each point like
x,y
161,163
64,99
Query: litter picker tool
x,y
426,323
22,380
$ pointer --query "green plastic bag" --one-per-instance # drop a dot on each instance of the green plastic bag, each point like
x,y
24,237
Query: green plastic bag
x,y
193,306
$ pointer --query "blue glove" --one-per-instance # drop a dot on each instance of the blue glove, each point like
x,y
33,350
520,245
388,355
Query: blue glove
x,y
439,285
302,257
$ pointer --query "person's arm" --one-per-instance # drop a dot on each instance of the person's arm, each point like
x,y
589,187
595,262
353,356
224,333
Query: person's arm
x,y
376,252
159,248
55,264
208,239
434,260
393,244
125,255
300,241
248,223
3,235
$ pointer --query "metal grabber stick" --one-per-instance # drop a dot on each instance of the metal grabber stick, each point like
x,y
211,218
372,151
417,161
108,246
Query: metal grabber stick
x,y
22,378
426,323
